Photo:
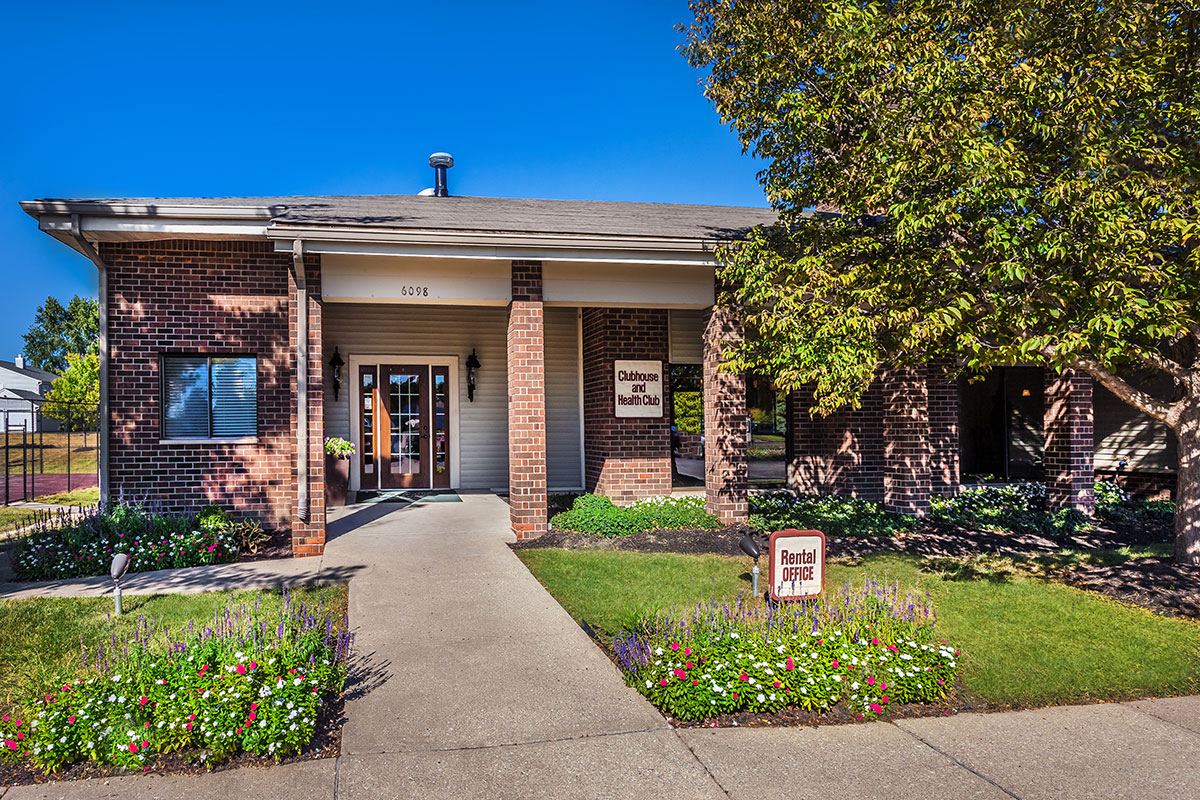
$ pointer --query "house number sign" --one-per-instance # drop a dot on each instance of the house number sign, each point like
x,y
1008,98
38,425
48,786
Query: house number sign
x,y
414,291
638,388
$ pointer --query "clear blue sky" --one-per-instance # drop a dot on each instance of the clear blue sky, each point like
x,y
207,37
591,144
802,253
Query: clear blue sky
x,y
557,100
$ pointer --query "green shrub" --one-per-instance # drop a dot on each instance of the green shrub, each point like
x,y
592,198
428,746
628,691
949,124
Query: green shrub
x,y
688,411
597,514
833,516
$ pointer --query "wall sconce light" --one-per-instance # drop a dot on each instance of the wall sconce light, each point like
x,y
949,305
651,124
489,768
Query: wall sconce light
x,y
1025,393
472,365
337,363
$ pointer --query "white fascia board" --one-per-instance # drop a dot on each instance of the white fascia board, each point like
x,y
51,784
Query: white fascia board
x,y
106,228
94,208
497,246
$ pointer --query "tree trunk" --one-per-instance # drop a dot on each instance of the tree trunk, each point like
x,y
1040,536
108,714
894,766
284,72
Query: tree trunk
x,y
1187,491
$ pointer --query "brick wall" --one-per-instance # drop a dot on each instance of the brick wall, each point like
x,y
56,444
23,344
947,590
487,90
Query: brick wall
x,y
527,402
308,535
626,458
215,298
1068,455
726,418
906,441
943,430
838,454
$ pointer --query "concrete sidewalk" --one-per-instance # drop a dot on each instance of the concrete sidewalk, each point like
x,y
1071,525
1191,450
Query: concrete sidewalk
x,y
470,681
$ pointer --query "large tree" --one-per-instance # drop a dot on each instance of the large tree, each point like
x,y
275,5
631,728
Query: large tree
x,y
1017,182
58,330
74,397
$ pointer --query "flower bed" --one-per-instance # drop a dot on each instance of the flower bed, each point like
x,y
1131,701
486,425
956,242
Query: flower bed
x,y
871,648
1022,507
597,514
243,684
833,516
84,545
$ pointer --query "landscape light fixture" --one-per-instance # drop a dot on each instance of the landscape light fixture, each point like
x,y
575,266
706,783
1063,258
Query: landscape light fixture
x,y
472,365
120,565
337,363
750,548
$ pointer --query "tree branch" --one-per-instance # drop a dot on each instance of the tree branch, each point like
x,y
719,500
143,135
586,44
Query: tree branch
x,y
1160,362
1167,413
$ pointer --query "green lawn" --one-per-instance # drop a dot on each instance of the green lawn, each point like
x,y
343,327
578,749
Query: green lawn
x,y
42,637
1025,641
47,452
12,518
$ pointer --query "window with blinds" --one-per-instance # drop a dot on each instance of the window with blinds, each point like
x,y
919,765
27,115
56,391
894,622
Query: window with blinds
x,y
209,397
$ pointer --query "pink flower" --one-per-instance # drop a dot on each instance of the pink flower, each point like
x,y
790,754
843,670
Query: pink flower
x,y
735,696
145,745
790,665
143,700
675,646
679,673
253,716
188,726
743,677
695,682
241,670
884,698
133,747
10,744
941,682
883,686
254,706
835,663
876,708
874,641
147,726
778,684
663,682
689,665
687,652
870,681
71,719
253,665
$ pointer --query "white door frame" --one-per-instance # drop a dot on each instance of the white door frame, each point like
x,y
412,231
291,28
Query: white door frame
x,y
377,360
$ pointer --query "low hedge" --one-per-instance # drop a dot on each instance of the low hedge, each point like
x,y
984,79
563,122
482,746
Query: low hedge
x,y
596,514
833,516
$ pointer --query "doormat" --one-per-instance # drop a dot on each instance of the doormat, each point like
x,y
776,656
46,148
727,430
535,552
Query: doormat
x,y
408,496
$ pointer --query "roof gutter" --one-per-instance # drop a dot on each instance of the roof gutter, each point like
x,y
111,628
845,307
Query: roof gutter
x,y
85,247
302,496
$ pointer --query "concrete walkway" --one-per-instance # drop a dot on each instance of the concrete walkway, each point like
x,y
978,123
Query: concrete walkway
x,y
470,681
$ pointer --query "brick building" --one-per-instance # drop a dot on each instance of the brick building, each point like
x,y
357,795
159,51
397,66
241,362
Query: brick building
x,y
464,343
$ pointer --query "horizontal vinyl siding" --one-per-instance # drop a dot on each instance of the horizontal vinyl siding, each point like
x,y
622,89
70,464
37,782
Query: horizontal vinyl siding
x,y
687,337
362,329
1123,432
563,462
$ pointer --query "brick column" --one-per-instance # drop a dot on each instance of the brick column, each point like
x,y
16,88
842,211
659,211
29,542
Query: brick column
x,y
943,430
526,402
625,458
1069,456
906,450
308,536
726,478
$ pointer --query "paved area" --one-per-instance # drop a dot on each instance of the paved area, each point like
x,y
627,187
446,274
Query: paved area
x,y
470,681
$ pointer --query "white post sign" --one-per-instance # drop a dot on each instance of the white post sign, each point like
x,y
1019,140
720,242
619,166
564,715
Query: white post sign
x,y
638,388
797,564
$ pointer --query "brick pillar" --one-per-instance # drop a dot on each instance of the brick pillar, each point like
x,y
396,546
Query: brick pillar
x,y
626,458
526,402
943,430
1069,463
906,450
840,454
308,536
726,477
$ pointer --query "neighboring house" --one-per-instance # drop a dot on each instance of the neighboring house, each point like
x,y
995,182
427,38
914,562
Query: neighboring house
x,y
22,391
462,343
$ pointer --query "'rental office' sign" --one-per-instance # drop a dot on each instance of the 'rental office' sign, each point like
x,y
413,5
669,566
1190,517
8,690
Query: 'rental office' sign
x,y
638,388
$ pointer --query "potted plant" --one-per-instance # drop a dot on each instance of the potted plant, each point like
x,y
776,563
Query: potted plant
x,y
337,470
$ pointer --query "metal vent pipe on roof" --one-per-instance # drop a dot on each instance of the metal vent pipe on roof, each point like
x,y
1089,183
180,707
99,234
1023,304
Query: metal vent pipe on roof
x,y
440,163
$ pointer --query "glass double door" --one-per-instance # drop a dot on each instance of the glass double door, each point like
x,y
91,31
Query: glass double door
x,y
404,412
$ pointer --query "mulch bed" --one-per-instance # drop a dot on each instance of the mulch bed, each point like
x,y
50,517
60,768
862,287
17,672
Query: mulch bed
x,y
1153,583
278,546
326,743
692,541
838,715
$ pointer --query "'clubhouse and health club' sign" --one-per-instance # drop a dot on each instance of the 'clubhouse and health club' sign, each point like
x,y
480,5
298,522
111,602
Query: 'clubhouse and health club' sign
x,y
797,567
638,388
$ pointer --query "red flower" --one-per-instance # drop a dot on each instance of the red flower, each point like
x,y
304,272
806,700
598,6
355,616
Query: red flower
x,y
743,677
143,700
71,719
133,747
241,670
